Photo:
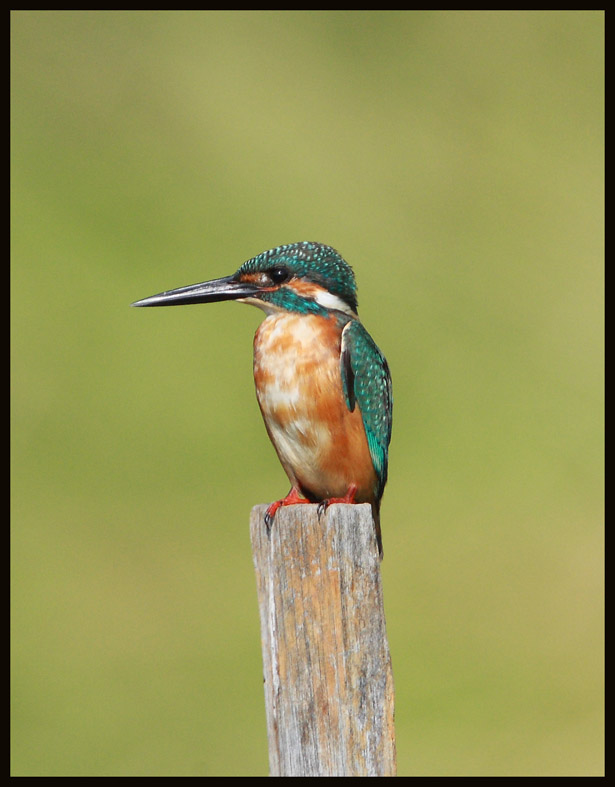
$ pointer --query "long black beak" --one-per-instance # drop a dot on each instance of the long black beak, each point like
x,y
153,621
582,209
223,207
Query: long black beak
x,y
225,289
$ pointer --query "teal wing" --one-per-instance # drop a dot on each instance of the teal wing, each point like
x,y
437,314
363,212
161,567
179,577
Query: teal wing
x,y
367,382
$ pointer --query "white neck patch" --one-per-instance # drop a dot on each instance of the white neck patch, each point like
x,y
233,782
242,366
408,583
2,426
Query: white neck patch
x,y
330,301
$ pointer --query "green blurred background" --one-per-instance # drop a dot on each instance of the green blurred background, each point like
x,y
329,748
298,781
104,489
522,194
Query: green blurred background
x,y
456,160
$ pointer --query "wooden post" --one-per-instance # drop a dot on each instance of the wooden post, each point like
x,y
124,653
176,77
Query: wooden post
x,y
327,668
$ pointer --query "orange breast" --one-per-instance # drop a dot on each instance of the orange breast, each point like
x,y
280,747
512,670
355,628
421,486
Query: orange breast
x,y
321,445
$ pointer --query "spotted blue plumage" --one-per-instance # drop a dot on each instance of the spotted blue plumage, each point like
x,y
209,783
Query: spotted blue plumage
x,y
314,262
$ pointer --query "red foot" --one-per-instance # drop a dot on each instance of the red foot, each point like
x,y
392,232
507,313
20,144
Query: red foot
x,y
293,498
349,497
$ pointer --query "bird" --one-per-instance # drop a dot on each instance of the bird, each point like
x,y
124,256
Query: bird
x,y
322,384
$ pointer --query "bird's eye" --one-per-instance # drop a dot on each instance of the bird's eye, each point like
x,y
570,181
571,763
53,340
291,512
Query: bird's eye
x,y
279,275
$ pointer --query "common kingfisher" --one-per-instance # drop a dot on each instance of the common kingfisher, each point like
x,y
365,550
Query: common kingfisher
x,y
322,384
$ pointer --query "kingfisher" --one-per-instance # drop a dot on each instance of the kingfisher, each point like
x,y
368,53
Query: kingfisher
x,y
322,384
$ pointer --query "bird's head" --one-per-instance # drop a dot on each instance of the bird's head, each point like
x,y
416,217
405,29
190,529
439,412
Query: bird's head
x,y
301,277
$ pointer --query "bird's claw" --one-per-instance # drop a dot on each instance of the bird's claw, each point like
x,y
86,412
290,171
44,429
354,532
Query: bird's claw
x,y
269,515
322,508
349,497
292,498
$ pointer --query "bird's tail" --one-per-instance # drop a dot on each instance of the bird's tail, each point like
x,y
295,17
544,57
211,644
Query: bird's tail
x,y
376,518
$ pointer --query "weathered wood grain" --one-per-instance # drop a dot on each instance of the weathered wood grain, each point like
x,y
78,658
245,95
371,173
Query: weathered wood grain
x,y
327,669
